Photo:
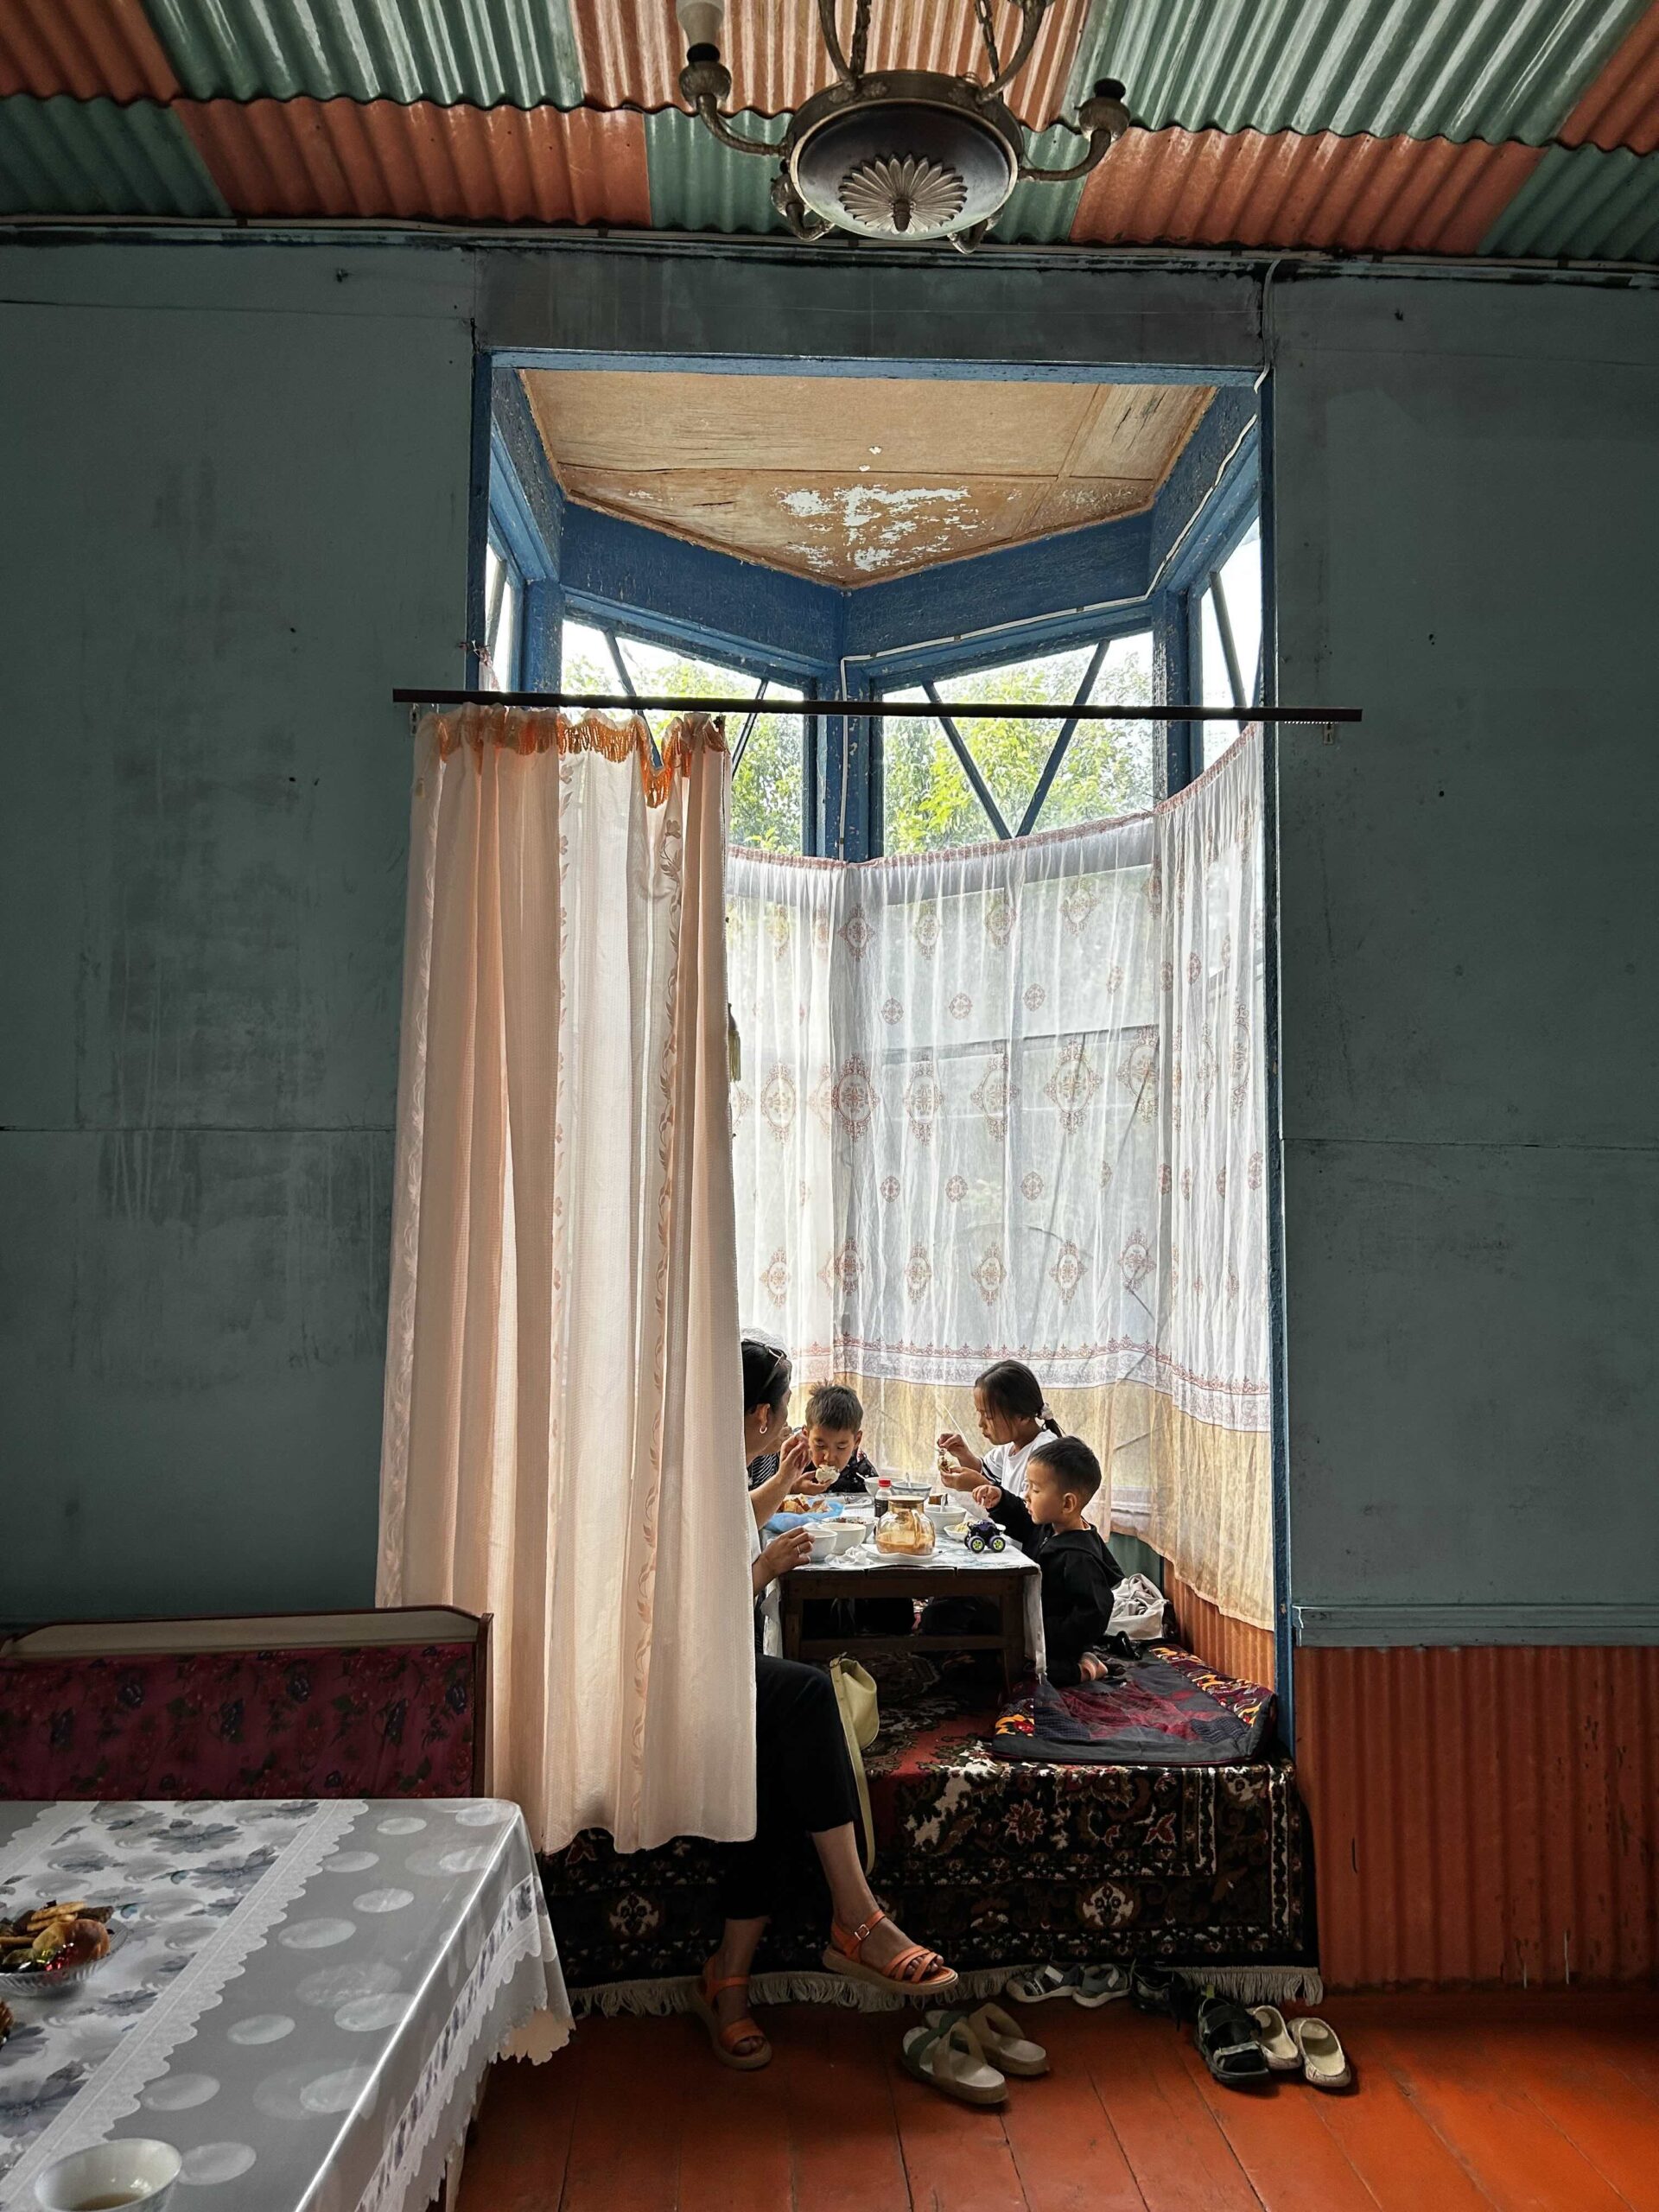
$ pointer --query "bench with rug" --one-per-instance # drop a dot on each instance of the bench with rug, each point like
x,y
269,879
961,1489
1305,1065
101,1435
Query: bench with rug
x,y
1193,1851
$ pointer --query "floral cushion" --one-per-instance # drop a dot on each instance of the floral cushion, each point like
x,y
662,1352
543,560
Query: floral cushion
x,y
386,1720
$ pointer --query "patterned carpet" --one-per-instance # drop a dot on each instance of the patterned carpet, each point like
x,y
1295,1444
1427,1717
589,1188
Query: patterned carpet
x,y
998,1863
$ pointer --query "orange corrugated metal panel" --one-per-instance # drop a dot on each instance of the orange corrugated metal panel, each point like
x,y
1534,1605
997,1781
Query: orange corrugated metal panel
x,y
1230,1647
90,49
632,52
1247,187
1620,106
423,163
1485,1815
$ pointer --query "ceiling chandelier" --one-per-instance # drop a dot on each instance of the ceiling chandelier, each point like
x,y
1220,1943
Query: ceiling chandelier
x,y
894,154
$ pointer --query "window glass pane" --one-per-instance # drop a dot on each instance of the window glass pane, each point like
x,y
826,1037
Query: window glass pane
x,y
927,801
586,663
1240,580
663,671
502,587
1011,756
767,786
1110,768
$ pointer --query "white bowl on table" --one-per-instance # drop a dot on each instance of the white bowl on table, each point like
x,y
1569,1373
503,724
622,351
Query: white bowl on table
x,y
140,2171
947,1515
831,1538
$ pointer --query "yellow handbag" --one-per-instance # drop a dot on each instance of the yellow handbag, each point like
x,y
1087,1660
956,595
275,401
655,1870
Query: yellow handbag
x,y
860,1719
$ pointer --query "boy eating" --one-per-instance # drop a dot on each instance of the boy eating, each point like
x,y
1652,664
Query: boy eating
x,y
1078,1571
835,1438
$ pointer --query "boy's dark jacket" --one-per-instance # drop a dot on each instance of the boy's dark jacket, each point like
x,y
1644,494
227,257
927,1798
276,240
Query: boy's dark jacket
x,y
1079,1575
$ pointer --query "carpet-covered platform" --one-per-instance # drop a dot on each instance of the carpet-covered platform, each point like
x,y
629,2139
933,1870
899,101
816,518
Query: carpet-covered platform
x,y
1000,1862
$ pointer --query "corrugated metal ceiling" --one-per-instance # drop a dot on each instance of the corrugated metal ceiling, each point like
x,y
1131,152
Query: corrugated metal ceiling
x,y
91,49
421,162
477,52
1583,205
696,184
1454,127
1359,195
1457,69
1621,107
632,51
91,158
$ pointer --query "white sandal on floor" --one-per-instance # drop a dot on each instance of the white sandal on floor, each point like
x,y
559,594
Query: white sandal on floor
x,y
999,2036
1278,2044
948,2057
1325,2062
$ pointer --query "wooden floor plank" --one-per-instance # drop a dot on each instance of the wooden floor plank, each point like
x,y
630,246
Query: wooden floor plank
x,y
1524,2162
843,2137
1392,2148
1180,2158
625,2144
1065,2150
1287,2154
957,2159
734,2144
1589,2098
516,2162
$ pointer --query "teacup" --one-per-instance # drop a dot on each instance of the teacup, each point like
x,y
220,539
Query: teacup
x,y
139,2172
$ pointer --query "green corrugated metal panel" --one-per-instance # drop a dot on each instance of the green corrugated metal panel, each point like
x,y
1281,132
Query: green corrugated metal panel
x,y
1042,214
697,184
64,157
475,53
1456,69
1584,205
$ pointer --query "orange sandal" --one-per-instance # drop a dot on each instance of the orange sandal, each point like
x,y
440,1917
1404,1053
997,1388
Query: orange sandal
x,y
724,2040
917,1972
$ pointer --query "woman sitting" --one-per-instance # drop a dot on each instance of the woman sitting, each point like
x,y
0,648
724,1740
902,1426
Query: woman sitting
x,y
804,1785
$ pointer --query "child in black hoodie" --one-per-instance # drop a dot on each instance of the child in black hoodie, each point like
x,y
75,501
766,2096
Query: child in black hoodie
x,y
1079,1573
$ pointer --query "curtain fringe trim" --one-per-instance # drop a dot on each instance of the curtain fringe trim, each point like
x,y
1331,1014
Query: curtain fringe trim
x,y
542,729
1254,1985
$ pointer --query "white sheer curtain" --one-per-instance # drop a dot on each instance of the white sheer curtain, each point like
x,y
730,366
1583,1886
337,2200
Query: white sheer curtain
x,y
563,1441
1010,1101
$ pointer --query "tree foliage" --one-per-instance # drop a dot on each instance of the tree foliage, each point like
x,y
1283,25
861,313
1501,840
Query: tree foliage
x,y
929,804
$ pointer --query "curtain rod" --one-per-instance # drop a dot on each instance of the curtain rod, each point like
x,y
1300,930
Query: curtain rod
x,y
926,710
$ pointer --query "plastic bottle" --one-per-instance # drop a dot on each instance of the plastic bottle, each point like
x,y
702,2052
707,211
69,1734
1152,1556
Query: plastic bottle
x,y
883,1495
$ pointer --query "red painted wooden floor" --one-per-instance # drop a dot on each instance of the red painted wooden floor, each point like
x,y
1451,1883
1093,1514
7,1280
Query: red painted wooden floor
x,y
1464,2104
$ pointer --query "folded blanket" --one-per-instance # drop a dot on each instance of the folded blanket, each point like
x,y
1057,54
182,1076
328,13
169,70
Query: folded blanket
x,y
1162,1707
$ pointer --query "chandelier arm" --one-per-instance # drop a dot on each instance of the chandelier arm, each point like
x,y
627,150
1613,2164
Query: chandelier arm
x,y
832,40
1100,144
1034,11
723,130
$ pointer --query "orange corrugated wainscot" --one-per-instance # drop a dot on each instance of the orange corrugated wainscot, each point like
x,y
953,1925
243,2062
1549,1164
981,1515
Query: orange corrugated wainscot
x,y
1231,1647
1485,1815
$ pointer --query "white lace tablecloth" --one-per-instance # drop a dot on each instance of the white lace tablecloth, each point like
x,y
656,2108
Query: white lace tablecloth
x,y
302,1996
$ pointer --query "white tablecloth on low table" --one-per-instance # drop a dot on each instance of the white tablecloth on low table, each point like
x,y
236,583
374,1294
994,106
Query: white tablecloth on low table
x,y
953,1557
302,1997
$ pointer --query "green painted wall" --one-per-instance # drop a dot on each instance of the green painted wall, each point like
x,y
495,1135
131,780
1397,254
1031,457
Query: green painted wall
x,y
234,489
1467,477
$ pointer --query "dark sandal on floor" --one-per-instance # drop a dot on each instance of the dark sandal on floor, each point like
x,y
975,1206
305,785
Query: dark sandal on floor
x,y
1154,1987
723,2039
1228,2045
917,1972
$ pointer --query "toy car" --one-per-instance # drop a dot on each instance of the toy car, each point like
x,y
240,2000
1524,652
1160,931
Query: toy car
x,y
986,1536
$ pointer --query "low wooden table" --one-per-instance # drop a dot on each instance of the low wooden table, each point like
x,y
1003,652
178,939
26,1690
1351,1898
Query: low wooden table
x,y
1003,1587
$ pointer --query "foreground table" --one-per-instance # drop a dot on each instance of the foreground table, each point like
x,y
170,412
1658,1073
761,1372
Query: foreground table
x,y
1007,1580
303,1997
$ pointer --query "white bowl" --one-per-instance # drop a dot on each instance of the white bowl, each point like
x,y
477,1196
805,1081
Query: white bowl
x,y
140,2171
831,1538
946,1514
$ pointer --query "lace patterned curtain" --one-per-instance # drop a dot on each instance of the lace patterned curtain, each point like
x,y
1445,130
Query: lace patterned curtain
x,y
1011,1101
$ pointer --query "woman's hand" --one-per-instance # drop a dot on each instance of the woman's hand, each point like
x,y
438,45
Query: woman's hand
x,y
795,1460
793,1548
